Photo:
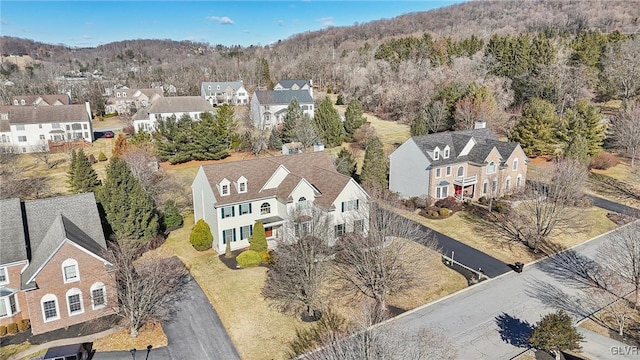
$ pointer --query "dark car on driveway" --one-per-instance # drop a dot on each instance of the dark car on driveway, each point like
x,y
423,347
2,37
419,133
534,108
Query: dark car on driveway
x,y
108,134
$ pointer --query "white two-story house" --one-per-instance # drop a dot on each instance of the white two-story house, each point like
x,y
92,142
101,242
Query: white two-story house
x,y
269,107
32,128
224,92
124,100
165,107
232,196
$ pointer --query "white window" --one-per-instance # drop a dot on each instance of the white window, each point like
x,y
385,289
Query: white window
x,y
209,87
50,309
494,186
358,225
15,102
245,208
491,169
442,192
70,271
228,235
218,87
228,211
302,201
508,183
4,276
350,205
20,127
519,181
22,102
448,170
515,164
4,138
461,171
265,208
41,137
242,187
55,126
74,302
339,230
39,126
246,231
224,189
303,228
98,296
124,94
446,153
118,94
8,305
438,172
485,186
436,154
84,126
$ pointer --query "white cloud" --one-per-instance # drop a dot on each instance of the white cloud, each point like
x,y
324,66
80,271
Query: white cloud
x,y
87,37
326,21
224,20
280,22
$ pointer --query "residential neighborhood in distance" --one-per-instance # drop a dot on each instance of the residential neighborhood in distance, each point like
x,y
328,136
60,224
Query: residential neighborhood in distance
x,y
320,180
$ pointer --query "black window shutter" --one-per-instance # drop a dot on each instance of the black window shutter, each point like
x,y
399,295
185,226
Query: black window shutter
x,y
249,208
343,206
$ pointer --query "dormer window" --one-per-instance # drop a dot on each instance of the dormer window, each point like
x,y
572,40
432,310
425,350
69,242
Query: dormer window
x,y
436,154
22,102
209,87
446,153
242,185
224,190
124,94
218,87
225,187
15,102
118,94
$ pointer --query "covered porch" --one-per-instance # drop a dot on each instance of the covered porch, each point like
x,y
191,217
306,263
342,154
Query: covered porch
x,y
465,187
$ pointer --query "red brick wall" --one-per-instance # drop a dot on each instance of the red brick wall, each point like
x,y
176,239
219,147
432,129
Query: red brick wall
x,y
14,283
50,281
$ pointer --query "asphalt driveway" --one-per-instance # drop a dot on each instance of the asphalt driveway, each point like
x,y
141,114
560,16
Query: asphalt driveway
x,y
196,332
613,206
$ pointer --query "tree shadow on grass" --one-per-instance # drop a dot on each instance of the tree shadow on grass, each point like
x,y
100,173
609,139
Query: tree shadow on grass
x,y
514,331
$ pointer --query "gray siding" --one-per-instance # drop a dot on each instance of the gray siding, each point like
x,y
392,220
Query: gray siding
x,y
407,171
203,204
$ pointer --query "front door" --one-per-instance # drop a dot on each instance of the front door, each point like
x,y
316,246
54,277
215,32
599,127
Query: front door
x,y
268,231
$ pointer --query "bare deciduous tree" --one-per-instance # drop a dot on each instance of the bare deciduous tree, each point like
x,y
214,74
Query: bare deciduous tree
x,y
147,288
300,263
621,67
258,140
13,182
625,130
43,154
622,257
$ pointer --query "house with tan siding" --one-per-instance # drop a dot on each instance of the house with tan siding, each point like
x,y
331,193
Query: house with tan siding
x,y
466,164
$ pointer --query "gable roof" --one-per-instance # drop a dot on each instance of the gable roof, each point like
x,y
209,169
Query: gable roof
x,y
456,140
48,99
235,85
283,97
46,114
287,84
11,232
316,167
176,104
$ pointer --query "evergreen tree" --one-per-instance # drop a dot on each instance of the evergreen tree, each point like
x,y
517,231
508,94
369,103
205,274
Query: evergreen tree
x,y
353,118
345,163
140,137
72,169
264,76
201,237
120,147
375,168
340,100
419,124
578,149
292,119
208,142
129,209
275,142
84,177
555,332
328,124
534,131
258,240
173,140
583,120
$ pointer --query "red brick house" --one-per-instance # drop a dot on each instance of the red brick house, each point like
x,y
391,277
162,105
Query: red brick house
x,y
52,265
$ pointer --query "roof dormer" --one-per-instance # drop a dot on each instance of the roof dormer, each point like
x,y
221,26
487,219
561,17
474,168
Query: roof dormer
x,y
241,185
446,152
224,187
436,153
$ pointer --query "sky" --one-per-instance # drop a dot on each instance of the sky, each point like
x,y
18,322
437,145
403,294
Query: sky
x,y
82,23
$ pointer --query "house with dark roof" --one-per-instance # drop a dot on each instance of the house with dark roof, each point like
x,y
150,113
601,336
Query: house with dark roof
x,y
165,107
31,128
41,100
128,101
295,85
466,164
232,196
269,107
224,92
53,269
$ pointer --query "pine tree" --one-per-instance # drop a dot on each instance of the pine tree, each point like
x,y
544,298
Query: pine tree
x,y
345,163
201,237
275,142
120,147
258,240
555,332
578,149
84,177
419,125
291,121
583,120
375,169
129,209
535,130
173,140
71,174
327,123
340,100
353,118
209,140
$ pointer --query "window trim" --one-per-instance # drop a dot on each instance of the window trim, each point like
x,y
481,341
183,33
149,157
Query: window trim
x,y
514,167
448,172
342,231
446,153
265,208
224,211
74,292
358,228
442,191
95,287
491,168
436,154
438,172
5,271
68,263
247,206
244,228
519,180
461,167
49,298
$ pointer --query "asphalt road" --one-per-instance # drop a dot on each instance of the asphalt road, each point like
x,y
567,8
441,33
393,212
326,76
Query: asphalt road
x,y
195,333
492,320
613,206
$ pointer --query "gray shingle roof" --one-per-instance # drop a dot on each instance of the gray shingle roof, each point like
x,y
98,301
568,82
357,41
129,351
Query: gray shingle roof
x,y
287,84
283,97
46,114
234,85
485,142
176,104
12,244
317,168
49,99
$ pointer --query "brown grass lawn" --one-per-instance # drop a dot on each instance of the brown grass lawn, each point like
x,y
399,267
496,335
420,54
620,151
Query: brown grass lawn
x,y
110,122
10,350
257,331
467,228
150,334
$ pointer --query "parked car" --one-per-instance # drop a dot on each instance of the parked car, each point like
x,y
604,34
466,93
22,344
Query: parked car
x,y
108,134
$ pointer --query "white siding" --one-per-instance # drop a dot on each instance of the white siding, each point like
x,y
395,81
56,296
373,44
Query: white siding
x,y
203,203
407,170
